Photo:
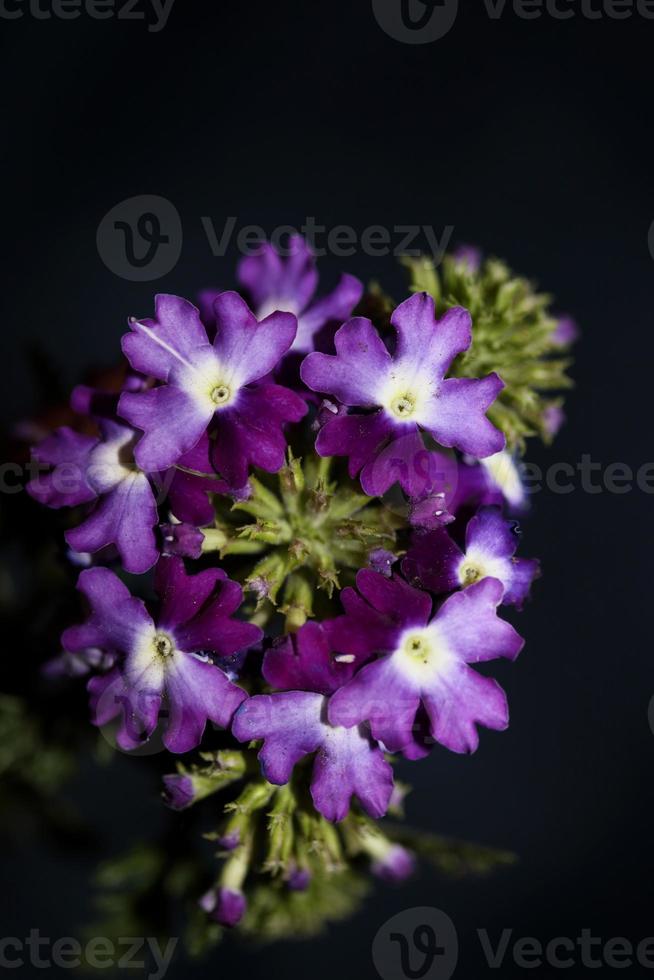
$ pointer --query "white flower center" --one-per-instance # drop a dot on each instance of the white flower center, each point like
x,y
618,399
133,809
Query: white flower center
x,y
422,652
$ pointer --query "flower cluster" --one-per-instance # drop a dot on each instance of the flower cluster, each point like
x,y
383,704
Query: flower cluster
x,y
320,499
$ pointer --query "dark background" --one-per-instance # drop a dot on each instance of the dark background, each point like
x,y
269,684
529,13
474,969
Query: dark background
x,y
533,139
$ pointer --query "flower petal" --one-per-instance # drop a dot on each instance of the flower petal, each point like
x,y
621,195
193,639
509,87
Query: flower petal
x,y
290,724
124,517
470,627
117,620
304,662
335,307
456,415
357,371
347,765
67,485
183,596
383,696
156,346
426,344
173,422
197,692
252,433
361,437
248,348
460,700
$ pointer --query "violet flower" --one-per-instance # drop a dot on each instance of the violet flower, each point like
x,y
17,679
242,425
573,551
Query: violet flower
x,y
277,282
423,661
163,664
435,562
100,472
402,394
294,724
211,385
226,906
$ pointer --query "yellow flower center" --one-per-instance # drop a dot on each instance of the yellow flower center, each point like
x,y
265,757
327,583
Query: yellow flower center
x,y
418,647
163,645
221,394
469,573
403,406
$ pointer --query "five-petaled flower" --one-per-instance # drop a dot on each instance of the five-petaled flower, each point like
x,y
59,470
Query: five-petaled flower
x,y
423,663
294,724
436,562
163,664
402,394
211,386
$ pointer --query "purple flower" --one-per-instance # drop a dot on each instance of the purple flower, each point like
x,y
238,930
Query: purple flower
x,y
566,332
424,662
274,282
163,663
100,472
470,256
225,906
503,482
299,879
394,863
294,724
182,540
403,394
178,792
436,562
191,483
382,561
207,385
554,417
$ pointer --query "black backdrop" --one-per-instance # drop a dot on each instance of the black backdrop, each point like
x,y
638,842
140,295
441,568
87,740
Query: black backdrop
x,y
533,139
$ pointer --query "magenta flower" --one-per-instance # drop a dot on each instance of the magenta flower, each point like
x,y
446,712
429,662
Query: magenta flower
x,y
423,663
208,385
100,472
274,282
436,562
163,664
226,906
402,394
294,724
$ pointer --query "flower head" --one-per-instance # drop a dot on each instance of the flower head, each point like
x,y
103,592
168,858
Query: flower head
x,y
206,385
275,281
163,663
423,662
102,473
403,394
294,724
436,562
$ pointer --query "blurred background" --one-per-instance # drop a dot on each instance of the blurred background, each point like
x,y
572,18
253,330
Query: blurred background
x,y
528,137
